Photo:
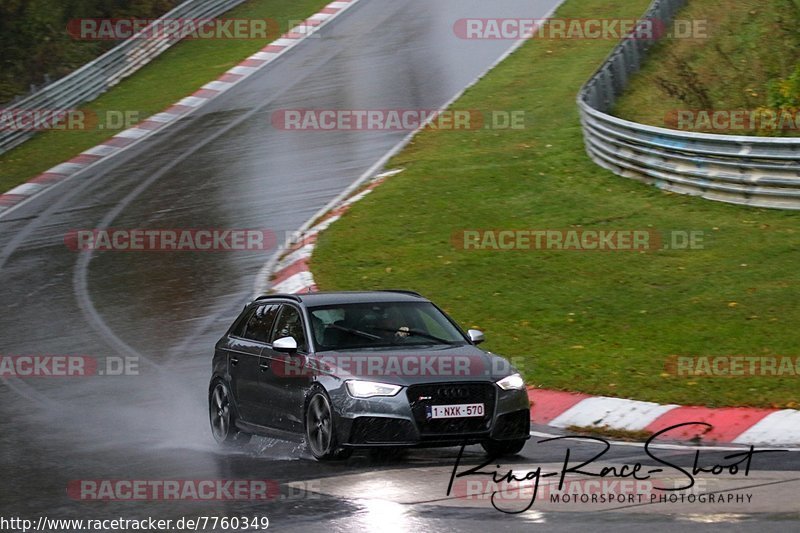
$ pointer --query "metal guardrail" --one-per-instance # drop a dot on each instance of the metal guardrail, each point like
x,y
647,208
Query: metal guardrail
x,y
755,171
94,78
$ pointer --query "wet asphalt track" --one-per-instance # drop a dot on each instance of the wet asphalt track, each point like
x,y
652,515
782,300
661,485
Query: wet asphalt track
x,y
226,167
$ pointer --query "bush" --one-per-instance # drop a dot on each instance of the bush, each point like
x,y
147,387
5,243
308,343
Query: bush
x,y
748,61
784,94
36,46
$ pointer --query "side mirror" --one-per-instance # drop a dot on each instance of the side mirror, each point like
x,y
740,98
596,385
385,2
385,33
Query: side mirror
x,y
476,336
285,344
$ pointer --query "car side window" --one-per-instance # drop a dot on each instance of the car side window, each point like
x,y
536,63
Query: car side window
x,y
241,323
260,324
290,324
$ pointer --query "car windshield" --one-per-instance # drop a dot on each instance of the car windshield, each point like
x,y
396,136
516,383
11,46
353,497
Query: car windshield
x,y
376,325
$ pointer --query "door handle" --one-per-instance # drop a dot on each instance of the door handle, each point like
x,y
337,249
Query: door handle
x,y
264,365
234,361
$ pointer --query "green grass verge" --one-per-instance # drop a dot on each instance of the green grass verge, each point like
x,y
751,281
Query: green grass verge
x,y
749,44
597,322
178,72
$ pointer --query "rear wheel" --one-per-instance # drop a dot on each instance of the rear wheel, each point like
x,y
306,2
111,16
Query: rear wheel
x,y
498,448
222,417
320,431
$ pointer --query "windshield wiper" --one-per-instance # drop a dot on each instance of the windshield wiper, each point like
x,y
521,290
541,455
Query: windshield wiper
x,y
418,333
356,332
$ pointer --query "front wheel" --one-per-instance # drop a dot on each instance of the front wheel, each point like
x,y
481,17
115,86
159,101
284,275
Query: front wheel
x,y
222,418
498,448
320,432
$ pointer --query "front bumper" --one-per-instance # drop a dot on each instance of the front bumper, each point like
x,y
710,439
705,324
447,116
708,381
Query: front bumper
x,y
401,420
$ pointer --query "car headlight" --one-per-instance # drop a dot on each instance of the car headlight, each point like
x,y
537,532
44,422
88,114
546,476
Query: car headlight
x,y
368,389
512,382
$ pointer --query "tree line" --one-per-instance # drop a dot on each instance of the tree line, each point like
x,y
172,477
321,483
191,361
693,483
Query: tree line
x,y
35,46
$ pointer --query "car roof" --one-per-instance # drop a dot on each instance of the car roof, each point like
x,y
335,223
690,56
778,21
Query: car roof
x,y
313,299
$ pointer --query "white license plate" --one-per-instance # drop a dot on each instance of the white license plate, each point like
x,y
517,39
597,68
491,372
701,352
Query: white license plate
x,y
463,410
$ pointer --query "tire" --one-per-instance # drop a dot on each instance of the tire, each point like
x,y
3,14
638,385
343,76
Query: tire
x,y
222,416
320,432
499,448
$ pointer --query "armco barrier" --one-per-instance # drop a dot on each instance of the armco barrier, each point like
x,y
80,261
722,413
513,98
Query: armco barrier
x,y
755,171
96,77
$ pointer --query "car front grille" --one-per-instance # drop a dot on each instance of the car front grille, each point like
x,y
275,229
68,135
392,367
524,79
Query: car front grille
x,y
420,397
378,430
